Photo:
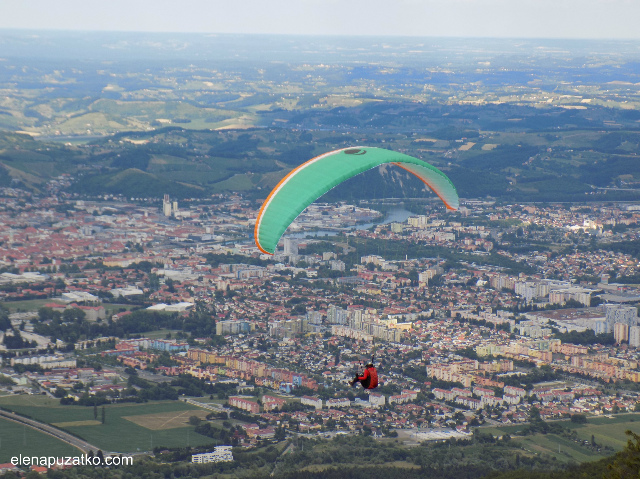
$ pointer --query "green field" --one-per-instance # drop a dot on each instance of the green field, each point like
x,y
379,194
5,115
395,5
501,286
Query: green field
x,y
18,439
562,449
160,333
26,306
606,431
609,431
36,304
118,434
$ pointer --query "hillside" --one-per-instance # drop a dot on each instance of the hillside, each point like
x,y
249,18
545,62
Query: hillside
x,y
571,165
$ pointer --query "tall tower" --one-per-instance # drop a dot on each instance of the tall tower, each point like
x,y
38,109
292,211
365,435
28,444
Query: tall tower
x,y
166,206
290,246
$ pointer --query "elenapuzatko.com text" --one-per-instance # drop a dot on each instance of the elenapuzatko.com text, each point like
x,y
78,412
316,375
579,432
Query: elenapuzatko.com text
x,y
84,460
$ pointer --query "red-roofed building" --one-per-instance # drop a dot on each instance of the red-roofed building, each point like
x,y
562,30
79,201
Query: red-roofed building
x,y
7,467
270,403
245,404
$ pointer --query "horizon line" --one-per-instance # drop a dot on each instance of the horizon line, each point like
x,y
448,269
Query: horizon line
x,y
310,35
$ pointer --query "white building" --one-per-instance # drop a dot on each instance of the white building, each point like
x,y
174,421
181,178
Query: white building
x,y
316,402
376,400
515,391
128,291
338,402
219,454
166,206
337,265
634,336
314,317
399,399
620,314
511,398
336,315
78,297
46,362
290,246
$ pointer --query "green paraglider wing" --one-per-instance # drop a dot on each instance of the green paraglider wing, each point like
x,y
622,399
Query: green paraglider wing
x,y
309,181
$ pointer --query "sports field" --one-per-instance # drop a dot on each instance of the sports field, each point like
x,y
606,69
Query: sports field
x,y
127,427
18,439
166,420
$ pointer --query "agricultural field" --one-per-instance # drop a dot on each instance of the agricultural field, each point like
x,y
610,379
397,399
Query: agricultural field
x,y
18,439
608,431
564,450
127,427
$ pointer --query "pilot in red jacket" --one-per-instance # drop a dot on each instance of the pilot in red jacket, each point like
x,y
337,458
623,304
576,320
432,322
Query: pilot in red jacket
x,y
369,379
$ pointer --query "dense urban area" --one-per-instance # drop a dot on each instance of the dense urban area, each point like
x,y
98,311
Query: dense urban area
x,y
490,316
139,320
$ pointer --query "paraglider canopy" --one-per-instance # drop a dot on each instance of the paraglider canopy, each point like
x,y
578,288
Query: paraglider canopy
x,y
309,181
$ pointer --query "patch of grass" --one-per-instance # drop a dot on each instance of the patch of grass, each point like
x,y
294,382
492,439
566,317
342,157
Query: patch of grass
x,y
76,423
16,439
606,431
161,333
612,435
500,430
118,434
563,449
163,421
29,305
235,183
614,419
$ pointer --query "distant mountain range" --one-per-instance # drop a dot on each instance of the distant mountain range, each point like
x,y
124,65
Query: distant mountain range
x,y
142,114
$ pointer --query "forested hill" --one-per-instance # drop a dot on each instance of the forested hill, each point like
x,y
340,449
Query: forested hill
x,y
512,166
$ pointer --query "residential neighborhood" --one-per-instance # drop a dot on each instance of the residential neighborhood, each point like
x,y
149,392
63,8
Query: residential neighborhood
x,y
480,338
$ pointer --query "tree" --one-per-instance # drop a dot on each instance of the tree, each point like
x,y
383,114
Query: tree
x,y
74,315
103,414
534,414
280,434
59,392
5,323
627,462
95,411
579,419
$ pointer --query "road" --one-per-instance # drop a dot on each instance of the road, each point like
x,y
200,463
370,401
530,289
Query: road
x,y
74,441
210,406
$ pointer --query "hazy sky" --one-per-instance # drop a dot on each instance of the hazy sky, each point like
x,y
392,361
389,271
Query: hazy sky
x,y
475,18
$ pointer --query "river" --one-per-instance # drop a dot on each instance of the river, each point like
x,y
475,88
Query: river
x,y
394,215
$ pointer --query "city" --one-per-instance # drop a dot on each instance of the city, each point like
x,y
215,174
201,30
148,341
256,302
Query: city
x,y
515,315
197,262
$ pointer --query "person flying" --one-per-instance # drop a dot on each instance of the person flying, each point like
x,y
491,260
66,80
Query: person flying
x,y
369,378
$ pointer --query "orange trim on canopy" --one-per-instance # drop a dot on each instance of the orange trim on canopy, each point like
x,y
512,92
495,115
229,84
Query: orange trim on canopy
x,y
273,192
425,182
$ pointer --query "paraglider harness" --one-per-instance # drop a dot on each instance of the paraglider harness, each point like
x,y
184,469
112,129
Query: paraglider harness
x,y
369,378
